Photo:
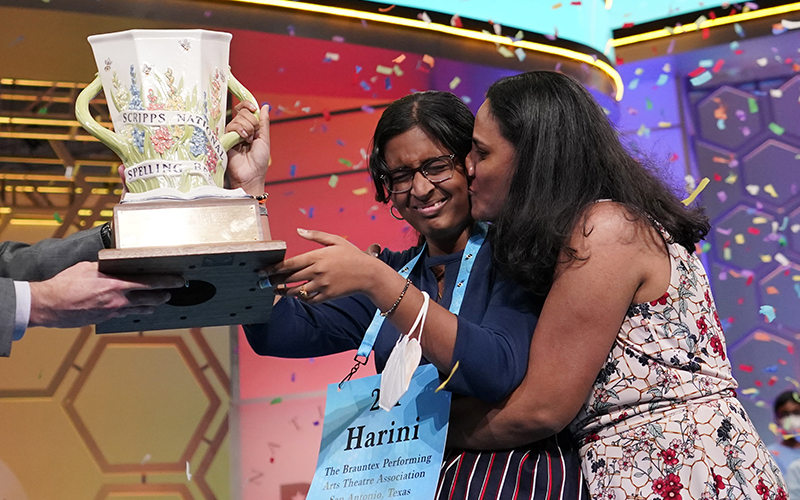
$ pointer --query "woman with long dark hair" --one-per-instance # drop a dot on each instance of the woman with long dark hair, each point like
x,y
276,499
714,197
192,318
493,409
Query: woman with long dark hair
x,y
628,352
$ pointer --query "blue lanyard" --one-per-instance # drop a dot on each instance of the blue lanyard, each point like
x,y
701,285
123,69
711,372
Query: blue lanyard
x,y
465,268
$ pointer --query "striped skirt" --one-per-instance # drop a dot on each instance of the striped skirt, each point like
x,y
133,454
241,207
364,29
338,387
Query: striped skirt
x,y
546,470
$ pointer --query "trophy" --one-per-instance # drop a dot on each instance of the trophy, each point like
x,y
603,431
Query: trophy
x,y
167,95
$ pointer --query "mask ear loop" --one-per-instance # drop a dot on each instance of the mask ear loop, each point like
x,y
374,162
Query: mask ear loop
x,y
421,317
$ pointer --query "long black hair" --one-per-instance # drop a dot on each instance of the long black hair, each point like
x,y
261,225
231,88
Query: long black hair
x,y
442,116
568,156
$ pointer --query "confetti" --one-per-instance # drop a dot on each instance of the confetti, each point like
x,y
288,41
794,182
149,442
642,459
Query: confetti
x,y
331,56
752,189
697,191
454,83
776,129
360,191
701,79
762,61
332,183
768,312
397,70
384,70
771,290
345,162
520,53
399,59
429,60
746,368
498,29
337,39
275,401
769,189
739,30
777,29
386,9
443,384
790,25
662,79
779,257
752,104
505,52
424,17
455,21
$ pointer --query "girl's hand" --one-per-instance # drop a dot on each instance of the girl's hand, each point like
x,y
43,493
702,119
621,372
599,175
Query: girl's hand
x,y
248,161
337,270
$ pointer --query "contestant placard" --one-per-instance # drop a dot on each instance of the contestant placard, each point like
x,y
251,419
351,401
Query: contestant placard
x,y
368,453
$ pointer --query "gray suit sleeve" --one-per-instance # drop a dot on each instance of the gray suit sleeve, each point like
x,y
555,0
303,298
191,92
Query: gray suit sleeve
x,y
8,307
38,262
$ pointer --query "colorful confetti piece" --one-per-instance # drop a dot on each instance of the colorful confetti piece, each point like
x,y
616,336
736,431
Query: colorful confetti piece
x,y
768,312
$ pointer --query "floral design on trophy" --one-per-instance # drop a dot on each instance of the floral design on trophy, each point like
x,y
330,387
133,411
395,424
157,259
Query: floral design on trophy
x,y
167,94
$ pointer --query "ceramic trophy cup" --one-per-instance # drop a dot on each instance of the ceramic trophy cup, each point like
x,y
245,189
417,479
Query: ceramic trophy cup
x,y
167,95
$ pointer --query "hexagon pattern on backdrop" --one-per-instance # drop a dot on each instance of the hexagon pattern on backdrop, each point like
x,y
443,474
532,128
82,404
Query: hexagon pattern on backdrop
x,y
747,143
131,415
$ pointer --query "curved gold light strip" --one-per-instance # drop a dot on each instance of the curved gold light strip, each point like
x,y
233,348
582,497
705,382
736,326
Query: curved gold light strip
x,y
451,30
710,23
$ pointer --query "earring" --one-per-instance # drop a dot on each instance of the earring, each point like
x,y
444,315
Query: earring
x,y
391,211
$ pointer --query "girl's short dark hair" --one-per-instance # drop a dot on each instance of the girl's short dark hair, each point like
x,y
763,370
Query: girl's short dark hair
x,y
568,155
442,116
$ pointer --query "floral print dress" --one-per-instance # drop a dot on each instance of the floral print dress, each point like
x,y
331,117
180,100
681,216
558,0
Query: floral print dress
x,y
663,421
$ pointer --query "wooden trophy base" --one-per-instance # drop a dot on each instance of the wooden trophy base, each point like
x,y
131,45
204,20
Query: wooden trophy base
x,y
222,276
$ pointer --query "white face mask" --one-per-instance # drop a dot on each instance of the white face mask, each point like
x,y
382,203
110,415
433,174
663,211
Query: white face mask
x,y
403,362
791,424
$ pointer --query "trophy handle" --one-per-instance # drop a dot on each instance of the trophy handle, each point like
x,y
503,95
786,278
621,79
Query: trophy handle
x,y
85,118
231,139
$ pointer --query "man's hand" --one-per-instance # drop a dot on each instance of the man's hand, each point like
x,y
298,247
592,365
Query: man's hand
x,y
81,295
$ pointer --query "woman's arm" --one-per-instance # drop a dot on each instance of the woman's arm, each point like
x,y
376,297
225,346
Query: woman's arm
x,y
580,320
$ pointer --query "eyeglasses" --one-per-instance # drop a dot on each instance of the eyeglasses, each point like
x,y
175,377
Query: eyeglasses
x,y
436,170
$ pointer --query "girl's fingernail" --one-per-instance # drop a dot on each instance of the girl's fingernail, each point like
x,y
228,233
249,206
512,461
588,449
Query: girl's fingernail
x,y
302,231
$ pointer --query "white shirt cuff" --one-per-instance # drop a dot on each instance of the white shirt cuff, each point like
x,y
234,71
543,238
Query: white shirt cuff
x,y
23,313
